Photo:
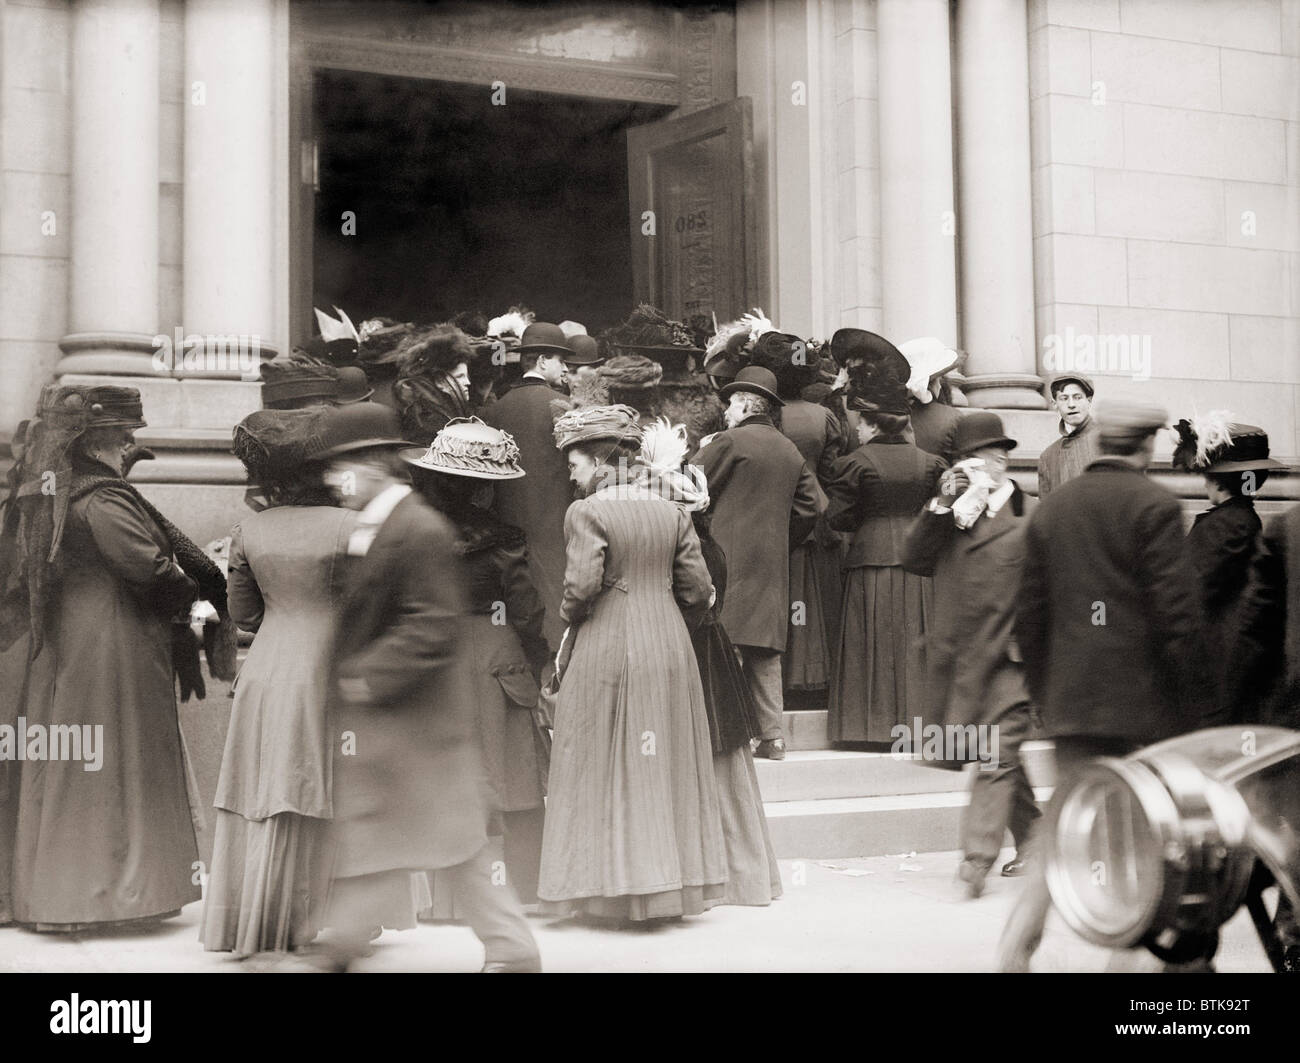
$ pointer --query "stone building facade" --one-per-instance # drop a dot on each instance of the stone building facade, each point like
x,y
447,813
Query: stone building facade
x,y
1023,180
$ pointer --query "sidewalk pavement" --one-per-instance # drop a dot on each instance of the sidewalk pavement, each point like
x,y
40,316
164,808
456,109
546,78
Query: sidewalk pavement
x,y
885,914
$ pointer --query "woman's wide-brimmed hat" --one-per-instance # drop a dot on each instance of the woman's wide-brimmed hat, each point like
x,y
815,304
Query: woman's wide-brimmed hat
x,y
357,427
927,357
755,380
616,423
292,381
468,447
544,338
1216,444
275,444
80,406
978,429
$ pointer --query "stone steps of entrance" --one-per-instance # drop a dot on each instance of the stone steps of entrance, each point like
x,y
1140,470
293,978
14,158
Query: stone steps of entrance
x,y
834,803
869,826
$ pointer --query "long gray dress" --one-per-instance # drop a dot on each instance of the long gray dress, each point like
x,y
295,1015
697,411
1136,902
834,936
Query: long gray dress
x,y
270,871
633,824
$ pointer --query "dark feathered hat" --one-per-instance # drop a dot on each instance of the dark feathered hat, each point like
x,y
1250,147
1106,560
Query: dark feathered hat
x,y
878,374
1216,444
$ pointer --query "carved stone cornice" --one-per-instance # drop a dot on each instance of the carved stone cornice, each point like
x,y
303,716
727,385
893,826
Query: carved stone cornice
x,y
564,76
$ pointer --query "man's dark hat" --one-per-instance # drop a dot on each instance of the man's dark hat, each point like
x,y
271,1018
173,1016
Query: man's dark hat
x,y
758,381
1061,379
586,351
543,338
353,386
980,428
357,427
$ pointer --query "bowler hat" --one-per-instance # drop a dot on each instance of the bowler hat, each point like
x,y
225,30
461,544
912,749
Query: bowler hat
x,y
353,386
543,338
980,428
758,381
586,351
357,427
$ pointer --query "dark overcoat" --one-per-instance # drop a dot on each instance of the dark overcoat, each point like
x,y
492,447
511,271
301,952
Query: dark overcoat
x,y
974,673
115,843
934,428
536,502
1108,612
1276,608
764,500
409,790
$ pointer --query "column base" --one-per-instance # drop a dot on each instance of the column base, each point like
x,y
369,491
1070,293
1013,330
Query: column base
x,y
107,354
1005,391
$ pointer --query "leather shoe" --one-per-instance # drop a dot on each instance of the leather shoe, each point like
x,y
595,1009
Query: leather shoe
x,y
502,967
1015,867
771,749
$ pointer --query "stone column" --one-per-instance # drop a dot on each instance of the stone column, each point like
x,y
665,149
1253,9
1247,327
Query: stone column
x,y
917,212
231,177
113,288
996,236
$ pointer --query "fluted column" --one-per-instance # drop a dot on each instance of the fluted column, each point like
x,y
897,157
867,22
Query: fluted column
x,y
230,280
917,212
113,282
996,236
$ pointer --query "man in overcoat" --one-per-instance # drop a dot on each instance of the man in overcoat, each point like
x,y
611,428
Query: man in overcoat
x,y
409,789
765,500
538,501
1067,457
974,675
1108,623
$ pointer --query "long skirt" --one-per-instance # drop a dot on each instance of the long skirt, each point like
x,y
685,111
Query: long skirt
x,y
880,667
806,664
753,877
268,884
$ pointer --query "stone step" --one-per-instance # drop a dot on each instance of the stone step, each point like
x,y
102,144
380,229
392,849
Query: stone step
x,y
832,774
869,826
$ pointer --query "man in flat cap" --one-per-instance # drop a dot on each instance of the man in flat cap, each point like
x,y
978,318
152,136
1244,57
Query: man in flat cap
x,y
765,501
1108,623
1078,447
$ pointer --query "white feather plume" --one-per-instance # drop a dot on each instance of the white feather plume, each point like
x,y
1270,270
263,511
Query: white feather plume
x,y
723,335
759,323
663,445
511,323
1212,431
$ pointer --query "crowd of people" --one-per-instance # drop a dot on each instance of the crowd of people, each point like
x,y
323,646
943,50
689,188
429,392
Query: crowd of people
x,y
526,603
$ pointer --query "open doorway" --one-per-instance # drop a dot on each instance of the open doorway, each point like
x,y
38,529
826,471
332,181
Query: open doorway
x,y
463,205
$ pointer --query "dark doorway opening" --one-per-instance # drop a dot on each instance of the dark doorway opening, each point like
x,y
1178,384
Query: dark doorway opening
x,y
463,205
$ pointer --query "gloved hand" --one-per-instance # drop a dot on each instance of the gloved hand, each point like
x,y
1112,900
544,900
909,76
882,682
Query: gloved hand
x,y
953,482
185,662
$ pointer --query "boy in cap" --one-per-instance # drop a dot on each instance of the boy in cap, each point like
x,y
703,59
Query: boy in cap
x,y
1078,446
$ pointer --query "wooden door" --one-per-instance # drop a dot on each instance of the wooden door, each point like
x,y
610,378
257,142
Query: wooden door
x,y
692,212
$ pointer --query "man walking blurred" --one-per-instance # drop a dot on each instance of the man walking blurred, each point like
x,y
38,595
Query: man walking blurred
x,y
409,791
1108,623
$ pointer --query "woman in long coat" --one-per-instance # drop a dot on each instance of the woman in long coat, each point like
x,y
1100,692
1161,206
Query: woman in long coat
x,y
633,826
876,491
1221,546
753,876
501,637
270,869
107,838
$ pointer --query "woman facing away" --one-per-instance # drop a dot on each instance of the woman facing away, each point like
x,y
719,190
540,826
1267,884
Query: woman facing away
x,y
633,825
501,636
753,875
270,871
102,584
876,492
